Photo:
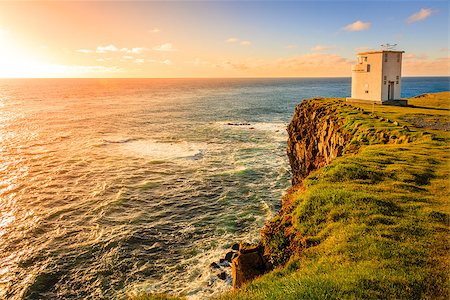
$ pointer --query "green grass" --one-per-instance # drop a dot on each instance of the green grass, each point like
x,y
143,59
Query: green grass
x,y
374,224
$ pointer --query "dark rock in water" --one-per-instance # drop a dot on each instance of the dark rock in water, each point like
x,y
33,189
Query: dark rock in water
x,y
229,256
249,264
235,247
222,260
214,265
222,275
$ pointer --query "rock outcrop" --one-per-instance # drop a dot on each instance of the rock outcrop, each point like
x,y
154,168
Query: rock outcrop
x,y
320,131
248,264
316,137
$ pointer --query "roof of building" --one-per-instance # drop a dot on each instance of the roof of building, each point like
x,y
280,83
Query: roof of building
x,y
380,51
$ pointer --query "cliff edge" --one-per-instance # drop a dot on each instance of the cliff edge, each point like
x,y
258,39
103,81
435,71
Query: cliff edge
x,y
367,215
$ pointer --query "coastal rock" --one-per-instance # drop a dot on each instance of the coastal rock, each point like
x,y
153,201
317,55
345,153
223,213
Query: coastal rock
x,y
235,247
248,264
229,256
222,275
315,138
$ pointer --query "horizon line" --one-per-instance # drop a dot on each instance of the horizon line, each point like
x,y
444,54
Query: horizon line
x,y
279,77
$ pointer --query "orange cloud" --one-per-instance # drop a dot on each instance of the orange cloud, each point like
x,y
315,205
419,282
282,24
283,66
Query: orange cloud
x,y
316,64
319,48
232,40
165,47
421,65
104,49
420,15
357,26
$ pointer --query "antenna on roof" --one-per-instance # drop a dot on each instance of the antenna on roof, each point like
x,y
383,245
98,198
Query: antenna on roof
x,y
389,46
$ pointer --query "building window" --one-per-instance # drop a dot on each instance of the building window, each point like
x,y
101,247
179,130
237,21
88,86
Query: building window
x,y
365,58
368,68
398,57
385,57
385,82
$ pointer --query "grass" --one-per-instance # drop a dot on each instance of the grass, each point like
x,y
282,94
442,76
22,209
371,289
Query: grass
x,y
374,224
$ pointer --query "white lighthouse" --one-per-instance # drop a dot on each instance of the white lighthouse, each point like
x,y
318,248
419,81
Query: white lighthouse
x,y
376,77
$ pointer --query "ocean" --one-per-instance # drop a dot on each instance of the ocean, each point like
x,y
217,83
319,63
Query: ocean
x,y
111,187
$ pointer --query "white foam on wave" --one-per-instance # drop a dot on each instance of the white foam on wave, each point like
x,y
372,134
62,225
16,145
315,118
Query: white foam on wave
x,y
163,151
278,129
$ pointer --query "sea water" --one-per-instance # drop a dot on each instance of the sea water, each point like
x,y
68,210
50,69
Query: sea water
x,y
110,187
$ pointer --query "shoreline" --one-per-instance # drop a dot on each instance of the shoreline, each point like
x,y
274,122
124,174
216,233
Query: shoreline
x,y
349,141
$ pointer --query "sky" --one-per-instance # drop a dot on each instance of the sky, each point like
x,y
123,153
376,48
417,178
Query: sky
x,y
217,38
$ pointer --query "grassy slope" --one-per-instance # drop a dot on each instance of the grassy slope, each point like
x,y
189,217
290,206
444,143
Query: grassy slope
x,y
379,219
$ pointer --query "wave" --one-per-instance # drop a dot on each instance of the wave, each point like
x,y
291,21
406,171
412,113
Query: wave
x,y
165,151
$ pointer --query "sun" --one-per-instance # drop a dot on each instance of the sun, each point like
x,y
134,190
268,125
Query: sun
x,y
17,62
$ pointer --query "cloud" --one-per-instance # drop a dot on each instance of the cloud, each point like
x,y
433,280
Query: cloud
x,y
127,57
422,65
164,47
226,64
139,60
85,51
136,50
412,57
166,62
306,65
197,62
104,49
420,15
232,40
155,30
363,49
313,64
112,48
357,26
319,48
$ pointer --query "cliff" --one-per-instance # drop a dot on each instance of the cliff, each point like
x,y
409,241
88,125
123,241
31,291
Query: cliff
x,y
316,137
367,216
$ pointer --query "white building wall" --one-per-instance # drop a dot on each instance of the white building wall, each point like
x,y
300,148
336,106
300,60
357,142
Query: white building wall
x,y
373,73
392,73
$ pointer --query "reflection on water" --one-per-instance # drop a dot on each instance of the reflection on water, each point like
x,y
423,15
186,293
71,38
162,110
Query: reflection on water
x,y
109,187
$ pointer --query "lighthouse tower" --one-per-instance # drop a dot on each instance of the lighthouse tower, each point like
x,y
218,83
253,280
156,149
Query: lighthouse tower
x,y
376,77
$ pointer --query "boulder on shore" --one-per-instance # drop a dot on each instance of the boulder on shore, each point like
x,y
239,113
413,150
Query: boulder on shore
x,y
248,264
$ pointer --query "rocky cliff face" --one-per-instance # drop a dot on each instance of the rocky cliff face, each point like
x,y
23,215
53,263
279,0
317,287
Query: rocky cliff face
x,y
316,137
320,131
